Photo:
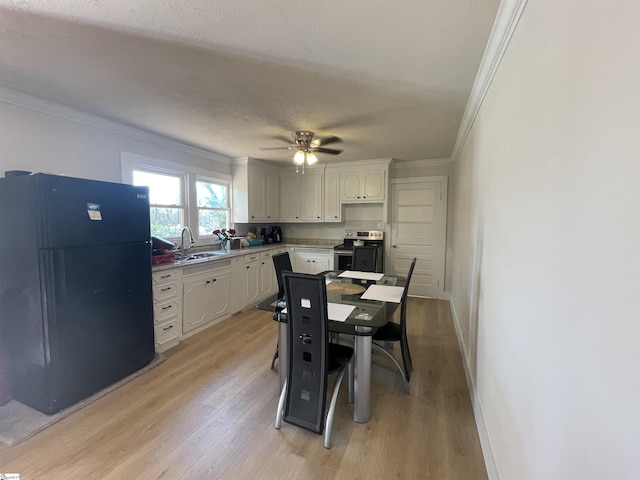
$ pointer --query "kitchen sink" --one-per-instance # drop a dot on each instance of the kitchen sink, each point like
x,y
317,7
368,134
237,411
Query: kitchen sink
x,y
201,255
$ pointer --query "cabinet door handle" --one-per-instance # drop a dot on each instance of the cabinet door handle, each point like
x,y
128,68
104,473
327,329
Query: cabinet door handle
x,y
165,289
168,328
167,307
165,276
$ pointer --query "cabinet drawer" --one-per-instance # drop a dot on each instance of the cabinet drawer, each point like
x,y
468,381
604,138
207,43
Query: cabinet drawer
x,y
164,311
165,291
267,254
167,332
252,257
165,276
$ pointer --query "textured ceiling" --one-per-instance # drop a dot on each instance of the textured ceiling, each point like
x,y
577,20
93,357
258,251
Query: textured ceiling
x,y
391,79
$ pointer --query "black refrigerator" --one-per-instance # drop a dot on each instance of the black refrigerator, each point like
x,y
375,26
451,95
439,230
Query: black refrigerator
x,y
76,306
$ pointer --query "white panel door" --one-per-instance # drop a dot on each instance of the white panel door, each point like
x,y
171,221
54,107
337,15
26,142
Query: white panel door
x,y
418,229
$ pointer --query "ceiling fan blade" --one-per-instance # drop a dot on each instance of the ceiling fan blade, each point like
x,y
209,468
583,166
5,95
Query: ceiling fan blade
x,y
320,142
282,138
331,151
279,148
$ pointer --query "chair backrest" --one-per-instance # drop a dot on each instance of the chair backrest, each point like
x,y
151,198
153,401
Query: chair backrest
x,y
403,305
308,338
282,263
364,259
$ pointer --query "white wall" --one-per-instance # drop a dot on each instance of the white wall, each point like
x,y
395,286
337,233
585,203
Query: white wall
x,y
546,269
41,142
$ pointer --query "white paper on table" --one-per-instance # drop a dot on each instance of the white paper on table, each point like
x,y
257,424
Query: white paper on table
x,y
383,293
361,275
338,312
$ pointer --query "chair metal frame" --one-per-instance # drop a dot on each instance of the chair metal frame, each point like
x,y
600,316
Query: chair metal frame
x,y
401,337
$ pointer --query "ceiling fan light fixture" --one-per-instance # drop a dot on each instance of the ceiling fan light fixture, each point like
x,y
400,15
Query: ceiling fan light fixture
x,y
311,158
298,158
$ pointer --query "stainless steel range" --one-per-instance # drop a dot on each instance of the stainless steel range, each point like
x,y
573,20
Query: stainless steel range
x,y
343,254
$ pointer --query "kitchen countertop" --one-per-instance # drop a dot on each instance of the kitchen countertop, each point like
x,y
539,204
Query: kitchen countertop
x,y
294,242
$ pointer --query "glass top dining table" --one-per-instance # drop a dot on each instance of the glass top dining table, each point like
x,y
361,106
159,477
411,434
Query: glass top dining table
x,y
362,323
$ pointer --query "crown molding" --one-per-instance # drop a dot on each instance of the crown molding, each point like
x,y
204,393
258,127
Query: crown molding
x,y
14,97
377,162
507,18
433,162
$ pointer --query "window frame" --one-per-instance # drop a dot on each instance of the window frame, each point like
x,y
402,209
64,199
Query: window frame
x,y
190,175
183,182
196,209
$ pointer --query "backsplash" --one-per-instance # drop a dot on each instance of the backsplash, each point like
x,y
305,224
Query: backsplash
x,y
364,216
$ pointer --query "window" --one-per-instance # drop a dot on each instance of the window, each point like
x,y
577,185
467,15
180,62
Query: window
x,y
212,200
166,199
181,195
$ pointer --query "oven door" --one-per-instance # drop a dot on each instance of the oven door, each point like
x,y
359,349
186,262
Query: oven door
x,y
342,259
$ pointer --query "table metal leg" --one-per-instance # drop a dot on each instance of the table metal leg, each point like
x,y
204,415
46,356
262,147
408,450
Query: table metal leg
x,y
362,376
283,352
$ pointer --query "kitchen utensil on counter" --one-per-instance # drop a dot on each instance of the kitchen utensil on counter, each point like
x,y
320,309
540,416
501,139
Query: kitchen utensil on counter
x,y
276,234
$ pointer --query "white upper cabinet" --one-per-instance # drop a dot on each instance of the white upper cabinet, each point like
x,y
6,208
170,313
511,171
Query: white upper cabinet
x,y
332,205
255,191
301,196
358,186
273,195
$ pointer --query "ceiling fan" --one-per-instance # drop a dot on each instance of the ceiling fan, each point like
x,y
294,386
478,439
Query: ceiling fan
x,y
306,147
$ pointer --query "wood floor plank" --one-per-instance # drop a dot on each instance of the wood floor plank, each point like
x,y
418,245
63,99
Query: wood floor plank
x,y
208,412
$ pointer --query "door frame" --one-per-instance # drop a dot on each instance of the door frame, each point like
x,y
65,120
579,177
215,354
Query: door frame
x,y
444,184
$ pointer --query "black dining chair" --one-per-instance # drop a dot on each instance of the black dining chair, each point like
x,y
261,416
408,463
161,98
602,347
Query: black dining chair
x,y
312,358
364,259
281,263
397,332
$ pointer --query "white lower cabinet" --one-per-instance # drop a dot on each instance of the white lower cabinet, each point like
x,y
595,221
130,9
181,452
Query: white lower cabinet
x,y
238,279
187,300
206,290
267,274
252,280
312,260
167,308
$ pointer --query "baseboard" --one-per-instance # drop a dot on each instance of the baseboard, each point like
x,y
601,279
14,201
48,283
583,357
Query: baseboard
x,y
485,442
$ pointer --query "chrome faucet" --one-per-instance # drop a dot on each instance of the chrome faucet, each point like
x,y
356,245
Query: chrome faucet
x,y
191,241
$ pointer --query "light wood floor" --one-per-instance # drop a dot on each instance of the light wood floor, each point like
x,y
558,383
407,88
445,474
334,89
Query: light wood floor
x,y
208,411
